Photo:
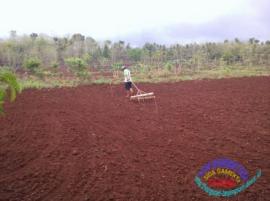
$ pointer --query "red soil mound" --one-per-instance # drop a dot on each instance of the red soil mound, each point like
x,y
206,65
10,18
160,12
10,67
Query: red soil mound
x,y
87,143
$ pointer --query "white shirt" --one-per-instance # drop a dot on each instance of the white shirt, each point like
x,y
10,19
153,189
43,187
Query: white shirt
x,y
127,75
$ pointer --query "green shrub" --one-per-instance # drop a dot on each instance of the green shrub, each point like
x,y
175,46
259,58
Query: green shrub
x,y
87,58
168,66
85,75
144,68
40,73
32,64
76,64
9,83
55,65
117,66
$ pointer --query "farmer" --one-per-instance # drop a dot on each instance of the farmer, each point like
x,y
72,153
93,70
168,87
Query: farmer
x,y
128,81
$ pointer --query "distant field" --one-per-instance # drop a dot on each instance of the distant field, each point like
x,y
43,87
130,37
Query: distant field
x,y
48,79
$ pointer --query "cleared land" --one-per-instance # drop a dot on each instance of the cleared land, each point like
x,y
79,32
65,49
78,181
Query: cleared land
x,y
90,143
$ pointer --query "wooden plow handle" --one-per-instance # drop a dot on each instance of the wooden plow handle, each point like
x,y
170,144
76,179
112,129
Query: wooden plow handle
x,y
138,90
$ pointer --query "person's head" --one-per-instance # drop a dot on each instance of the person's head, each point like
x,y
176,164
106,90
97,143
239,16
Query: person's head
x,y
123,67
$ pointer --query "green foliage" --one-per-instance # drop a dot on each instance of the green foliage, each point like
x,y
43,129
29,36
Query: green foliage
x,y
227,57
76,64
9,83
144,69
168,66
102,80
85,75
55,65
32,64
135,54
106,51
87,58
2,97
117,66
40,73
78,49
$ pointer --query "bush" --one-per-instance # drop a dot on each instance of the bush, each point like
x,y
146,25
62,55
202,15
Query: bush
x,y
55,65
32,64
76,64
40,73
85,75
144,68
9,82
168,66
117,66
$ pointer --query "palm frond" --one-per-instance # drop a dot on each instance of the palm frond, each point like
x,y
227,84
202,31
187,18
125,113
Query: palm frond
x,y
10,80
2,97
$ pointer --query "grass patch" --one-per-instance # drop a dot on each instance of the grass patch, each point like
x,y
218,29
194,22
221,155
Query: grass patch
x,y
52,80
34,82
216,73
102,80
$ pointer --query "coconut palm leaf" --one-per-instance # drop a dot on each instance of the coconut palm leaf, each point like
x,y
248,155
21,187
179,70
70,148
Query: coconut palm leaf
x,y
9,79
9,82
2,97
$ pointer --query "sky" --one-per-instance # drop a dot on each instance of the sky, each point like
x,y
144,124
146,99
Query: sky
x,y
139,21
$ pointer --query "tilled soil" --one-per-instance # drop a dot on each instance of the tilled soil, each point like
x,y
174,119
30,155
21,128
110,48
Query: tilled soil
x,y
90,143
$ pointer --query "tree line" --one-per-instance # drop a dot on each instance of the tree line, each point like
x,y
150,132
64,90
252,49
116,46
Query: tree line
x,y
16,51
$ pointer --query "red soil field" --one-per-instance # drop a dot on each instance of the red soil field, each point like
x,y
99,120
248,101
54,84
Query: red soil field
x,y
90,143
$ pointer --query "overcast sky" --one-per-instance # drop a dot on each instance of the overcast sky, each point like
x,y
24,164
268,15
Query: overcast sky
x,y
139,21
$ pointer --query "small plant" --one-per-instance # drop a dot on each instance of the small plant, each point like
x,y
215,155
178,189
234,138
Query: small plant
x,y
144,68
76,64
55,65
168,66
9,83
32,64
85,75
117,66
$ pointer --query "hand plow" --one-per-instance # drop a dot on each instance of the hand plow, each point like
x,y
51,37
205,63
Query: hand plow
x,y
141,95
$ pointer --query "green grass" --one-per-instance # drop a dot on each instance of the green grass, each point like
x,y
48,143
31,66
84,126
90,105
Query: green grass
x,y
102,80
233,72
51,83
217,73
52,80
